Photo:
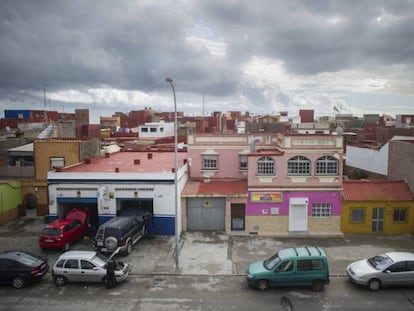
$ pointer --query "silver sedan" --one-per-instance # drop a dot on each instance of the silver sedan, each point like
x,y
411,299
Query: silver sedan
x,y
389,269
85,266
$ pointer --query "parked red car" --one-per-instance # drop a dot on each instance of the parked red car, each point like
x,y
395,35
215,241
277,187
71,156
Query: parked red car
x,y
60,233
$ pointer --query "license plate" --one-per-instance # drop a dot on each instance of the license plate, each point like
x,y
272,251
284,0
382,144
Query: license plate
x,y
48,241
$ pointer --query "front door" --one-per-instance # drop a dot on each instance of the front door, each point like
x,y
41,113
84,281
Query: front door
x,y
298,217
377,219
237,216
284,274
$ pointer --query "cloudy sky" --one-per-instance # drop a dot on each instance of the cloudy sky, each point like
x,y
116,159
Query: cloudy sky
x,y
262,56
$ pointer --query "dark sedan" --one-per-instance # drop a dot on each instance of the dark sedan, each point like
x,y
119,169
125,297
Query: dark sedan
x,y
19,268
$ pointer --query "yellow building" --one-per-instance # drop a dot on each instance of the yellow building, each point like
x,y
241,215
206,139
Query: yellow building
x,y
377,207
50,154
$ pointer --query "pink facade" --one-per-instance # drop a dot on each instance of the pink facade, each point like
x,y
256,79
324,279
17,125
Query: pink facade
x,y
294,182
257,209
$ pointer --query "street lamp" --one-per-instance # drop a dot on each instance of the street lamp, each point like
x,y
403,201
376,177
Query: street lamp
x,y
170,81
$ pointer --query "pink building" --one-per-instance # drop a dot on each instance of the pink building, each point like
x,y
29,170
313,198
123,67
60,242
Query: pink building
x,y
265,184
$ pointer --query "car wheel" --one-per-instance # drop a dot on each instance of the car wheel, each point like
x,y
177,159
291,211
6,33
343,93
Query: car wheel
x,y
317,286
66,246
262,285
18,282
374,284
60,280
129,248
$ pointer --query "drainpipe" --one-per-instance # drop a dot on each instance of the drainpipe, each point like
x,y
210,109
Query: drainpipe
x,y
253,142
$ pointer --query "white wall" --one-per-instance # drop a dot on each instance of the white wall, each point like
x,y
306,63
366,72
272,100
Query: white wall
x,y
167,130
375,161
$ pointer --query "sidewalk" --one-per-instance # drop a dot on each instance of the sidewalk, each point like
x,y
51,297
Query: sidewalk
x,y
212,253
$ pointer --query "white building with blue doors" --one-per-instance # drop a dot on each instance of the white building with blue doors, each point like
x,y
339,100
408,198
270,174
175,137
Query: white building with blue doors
x,y
122,183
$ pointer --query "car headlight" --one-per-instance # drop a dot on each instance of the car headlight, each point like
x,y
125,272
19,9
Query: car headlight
x,y
249,276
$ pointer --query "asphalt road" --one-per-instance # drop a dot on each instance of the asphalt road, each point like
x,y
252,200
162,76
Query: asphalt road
x,y
211,276
167,292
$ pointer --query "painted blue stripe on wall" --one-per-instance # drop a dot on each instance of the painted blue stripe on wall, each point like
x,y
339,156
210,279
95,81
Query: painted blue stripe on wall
x,y
77,200
164,225
160,225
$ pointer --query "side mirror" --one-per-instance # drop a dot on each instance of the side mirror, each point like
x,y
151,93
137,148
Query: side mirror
x,y
387,271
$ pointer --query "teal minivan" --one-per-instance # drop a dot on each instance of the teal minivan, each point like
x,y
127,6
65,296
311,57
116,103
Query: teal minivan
x,y
295,266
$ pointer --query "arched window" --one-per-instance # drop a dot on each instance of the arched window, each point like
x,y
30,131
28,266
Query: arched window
x,y
266,166
326,166
299,166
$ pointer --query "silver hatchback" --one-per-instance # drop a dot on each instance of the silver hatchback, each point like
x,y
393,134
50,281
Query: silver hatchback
x,y
85,266
389,269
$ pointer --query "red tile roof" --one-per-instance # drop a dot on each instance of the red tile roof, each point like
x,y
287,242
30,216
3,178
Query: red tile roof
x,y
369,190
215,188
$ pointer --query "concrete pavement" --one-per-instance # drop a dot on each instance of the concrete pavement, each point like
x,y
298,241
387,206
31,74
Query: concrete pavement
x,y
212,253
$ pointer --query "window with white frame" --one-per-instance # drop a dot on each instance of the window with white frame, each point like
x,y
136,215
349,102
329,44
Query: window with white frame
x,y
57,162
266,166
321,210
243,161
357,215
210,162
399,215
299,166
327,166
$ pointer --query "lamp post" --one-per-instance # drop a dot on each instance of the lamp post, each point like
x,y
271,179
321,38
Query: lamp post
x,y
170,81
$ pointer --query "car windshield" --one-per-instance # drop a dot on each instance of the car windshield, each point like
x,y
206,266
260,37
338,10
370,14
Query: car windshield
x,y
380,262
270,263
51,231
100,259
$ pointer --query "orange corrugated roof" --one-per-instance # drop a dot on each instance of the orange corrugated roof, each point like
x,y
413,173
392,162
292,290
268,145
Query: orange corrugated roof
x,y
222,187
369,190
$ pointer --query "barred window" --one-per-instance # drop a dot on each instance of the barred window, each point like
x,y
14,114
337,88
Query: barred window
x,y
210,162
327,166
299,165
265,166
399,215
243,162
57,162
357,215
321,210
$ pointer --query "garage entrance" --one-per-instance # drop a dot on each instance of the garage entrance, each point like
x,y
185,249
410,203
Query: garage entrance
x,y
136,207
66,204
206,214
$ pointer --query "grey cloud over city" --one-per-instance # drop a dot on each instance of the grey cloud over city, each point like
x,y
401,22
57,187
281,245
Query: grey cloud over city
x,y
259,56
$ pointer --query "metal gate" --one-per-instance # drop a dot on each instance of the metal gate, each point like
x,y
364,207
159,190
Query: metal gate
x,y
206,214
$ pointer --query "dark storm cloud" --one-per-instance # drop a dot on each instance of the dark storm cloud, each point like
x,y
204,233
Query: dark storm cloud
x,y
319,36
134,45
94,43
